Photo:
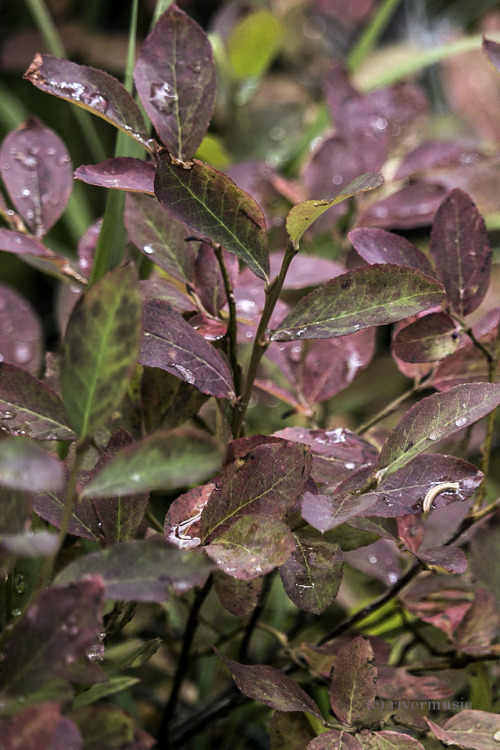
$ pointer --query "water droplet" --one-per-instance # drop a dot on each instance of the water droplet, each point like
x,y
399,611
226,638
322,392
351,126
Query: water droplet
x,y
295,353
337,179
25,193
63,160
349,465
372,559
29,214
277,133
96,100
162,97
7,414
148,249
461,421
16,612
6,165
20,583
22,353
196,67
69,659
51,151
185,374
381,123
248,334
356,327
392,577
135,477
28,160
496,736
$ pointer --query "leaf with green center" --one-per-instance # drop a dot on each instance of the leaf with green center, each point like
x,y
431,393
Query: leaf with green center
x,y
434,418
164,460
269,481
144,570
353,682
312,574
461,252
368,296
251,547
210,203
100,350
28,405
91,89
98,692
428,339
270,686
176,81
305,213
290,731
478,730
25,466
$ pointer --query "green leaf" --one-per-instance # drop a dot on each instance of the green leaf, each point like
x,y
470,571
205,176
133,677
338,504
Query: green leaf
x,y
165,460
97,692
100,351
305,213
253,44
211,204
368,296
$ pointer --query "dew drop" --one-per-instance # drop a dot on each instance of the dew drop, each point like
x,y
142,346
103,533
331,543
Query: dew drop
x,y
349,465
20,583
29,214
28,161
148,249
25,193
7,414
51,151
381,123
496,736
16,612
135,477
295,353
248,334
461,421
6,165
96,100
63,160
22,353
372,559
185,374
337,179
162,97
392,577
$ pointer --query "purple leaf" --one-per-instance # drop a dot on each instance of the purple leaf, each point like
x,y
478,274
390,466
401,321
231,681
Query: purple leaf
x,y
176,82
305,270
434,418
120,173
381,560
451,559
20,331
324,512
467,365
312,574
429,339
396,683
166,401
142,570
413,206
35,728
320,369
388,740
302,215
171,343
182,522
439,600
119,517
368,296
461,252
157,288
270,686
164,460
353,683
159,236
478,730
269,481
19,243
379,246
211,204
237,596
431,154
25,466
480,625
208,277
29,407
91,89
334,740
336,453
59,627
37,174
83,521
251,546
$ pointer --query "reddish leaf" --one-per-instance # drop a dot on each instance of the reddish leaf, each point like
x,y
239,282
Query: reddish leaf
x,y
467,365
438,600
434,418
20,331
396,683
25,466
270,686
379,246
413,206
210,203
83,521
58,629
367,296
29,407
143,570
182,522
312,574
37,174
461,252
20,243
208,277
305,270
159,236
176,81
270,480
431,338
171,343
91,89
324,512
35,728
237,596
120,173
251,546
451,559
353,684
387,740
157,288
381,560
478,730
336,453
480,625
334,740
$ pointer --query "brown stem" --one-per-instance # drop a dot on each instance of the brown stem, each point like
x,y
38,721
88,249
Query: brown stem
x,y
232,328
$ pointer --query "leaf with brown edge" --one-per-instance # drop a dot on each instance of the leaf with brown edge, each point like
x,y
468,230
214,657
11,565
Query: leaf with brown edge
x,y
312,574
169,342
37,174
119,173
210,203
251,547
269,686
434,418
176,81
461,252
353,682
368,296
91,89
302,215
269,481
478,730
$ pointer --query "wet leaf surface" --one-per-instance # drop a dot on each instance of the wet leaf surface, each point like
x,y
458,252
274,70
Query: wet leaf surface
x,y
120,173
20,331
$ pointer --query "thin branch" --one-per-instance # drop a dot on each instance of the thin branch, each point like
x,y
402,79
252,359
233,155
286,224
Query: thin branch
x,y
232,327
254,619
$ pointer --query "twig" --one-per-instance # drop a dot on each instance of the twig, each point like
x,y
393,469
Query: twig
x,y
232,328
254,619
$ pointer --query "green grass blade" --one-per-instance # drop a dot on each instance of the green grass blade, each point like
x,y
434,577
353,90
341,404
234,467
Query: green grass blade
x,y
371,34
